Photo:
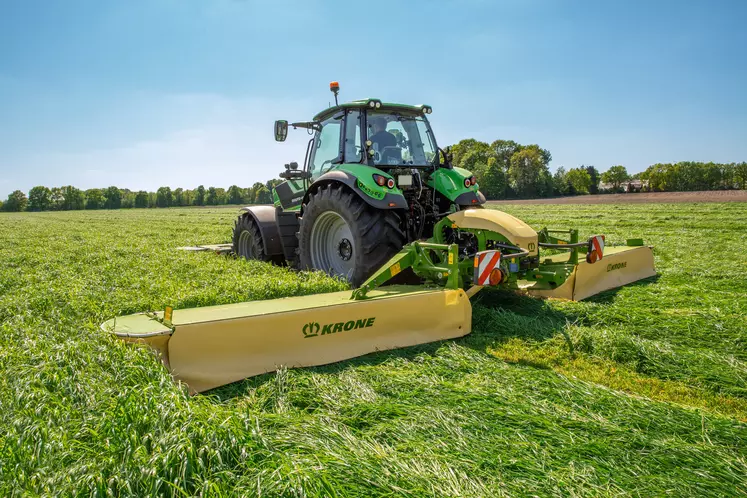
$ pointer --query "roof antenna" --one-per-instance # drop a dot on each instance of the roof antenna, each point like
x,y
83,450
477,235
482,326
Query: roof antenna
x,y
334,87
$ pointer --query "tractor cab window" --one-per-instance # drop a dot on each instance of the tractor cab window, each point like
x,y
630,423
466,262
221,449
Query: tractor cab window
x,y
400,139
353,136
326,151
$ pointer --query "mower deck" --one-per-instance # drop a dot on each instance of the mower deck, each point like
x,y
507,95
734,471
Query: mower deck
x,y
215,345
621,265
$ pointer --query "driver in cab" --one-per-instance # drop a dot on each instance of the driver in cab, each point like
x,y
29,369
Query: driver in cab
x,y
381,137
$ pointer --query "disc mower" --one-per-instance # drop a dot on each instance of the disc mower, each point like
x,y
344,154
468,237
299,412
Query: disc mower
x,y
379,204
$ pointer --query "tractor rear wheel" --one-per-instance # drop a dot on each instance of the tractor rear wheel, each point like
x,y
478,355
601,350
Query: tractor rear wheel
x,y
343,236
247,239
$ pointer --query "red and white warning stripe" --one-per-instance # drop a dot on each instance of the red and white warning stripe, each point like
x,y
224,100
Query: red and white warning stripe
x,y
485,263
596,249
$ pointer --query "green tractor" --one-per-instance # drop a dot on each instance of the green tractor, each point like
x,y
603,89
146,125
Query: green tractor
x,y
373,180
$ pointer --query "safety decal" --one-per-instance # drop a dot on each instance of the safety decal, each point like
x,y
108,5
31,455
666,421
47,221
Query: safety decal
x,y
485,263
596,249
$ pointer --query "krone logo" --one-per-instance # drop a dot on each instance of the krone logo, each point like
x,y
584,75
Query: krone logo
x,y
617,266
312,329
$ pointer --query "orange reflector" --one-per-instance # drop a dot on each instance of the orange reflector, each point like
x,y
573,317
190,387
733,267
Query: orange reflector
x,y
477,261
496,276
474,201
392,204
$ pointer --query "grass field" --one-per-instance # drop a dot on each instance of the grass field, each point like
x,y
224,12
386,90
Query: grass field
x,y
641,391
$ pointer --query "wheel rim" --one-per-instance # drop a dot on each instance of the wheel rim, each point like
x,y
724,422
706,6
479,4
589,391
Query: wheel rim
x,y
246,245
332,245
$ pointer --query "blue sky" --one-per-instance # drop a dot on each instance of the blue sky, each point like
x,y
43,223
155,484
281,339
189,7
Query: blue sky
x,y
141,94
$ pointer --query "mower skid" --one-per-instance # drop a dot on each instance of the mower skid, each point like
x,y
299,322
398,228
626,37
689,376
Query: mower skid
x,y
217,345
620,265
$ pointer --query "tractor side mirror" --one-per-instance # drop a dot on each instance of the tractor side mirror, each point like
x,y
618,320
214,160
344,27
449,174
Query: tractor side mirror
x,y
281,130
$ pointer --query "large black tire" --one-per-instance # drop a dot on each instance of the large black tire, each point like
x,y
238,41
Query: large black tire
x,y
375,234
247,239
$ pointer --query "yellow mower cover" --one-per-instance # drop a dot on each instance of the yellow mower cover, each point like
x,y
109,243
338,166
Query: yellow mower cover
x,y
215,345
620,266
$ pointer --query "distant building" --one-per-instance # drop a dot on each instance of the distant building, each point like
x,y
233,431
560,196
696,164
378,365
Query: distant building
x,y
636,185
629,186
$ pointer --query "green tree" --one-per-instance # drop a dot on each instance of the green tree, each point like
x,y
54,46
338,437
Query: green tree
x,y
560,181
221,195
188,197
504,150
263,196
178,197
163,197
128,199
616,176
740,175
528,172
199,199
74,198
95,198
254,192
40,199
475,159
113,197
17,201
460,149
493,184
141,199
56,199
212,197
235,195
579,179
594,175
249,195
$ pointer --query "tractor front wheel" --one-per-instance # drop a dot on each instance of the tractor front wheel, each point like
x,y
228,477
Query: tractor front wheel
x,y
343,236
247,239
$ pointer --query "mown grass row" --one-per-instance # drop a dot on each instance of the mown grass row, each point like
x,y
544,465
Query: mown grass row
x,y
639,391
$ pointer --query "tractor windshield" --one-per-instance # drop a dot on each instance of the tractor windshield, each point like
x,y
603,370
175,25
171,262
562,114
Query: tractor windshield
x,y
401,139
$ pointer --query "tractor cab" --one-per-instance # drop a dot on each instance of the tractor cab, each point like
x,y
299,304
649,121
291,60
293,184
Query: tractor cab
x,y
367,132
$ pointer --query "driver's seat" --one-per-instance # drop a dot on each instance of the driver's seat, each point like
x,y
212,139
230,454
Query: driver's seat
x,y
391,155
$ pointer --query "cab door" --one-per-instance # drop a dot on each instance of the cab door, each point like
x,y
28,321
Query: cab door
x,y
326,151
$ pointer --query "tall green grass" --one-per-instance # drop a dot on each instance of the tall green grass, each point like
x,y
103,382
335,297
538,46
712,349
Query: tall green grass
x,y
640,391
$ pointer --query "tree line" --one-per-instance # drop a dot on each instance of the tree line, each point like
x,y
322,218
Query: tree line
x,y
504,169
69,198
690,176
508,170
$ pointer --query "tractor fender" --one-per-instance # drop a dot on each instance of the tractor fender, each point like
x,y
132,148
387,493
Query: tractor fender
x,y
265,218
470,198
390,201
